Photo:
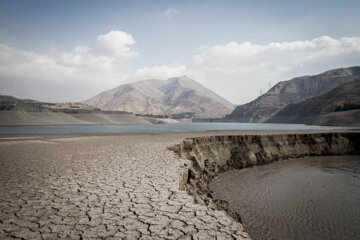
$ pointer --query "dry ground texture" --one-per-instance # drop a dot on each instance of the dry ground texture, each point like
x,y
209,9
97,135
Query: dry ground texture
x,y
101,187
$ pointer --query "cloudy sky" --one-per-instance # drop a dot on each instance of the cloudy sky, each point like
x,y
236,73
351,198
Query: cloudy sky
x,y
72,50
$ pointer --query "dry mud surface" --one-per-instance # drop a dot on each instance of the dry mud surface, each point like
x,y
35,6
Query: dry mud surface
x,y
101,187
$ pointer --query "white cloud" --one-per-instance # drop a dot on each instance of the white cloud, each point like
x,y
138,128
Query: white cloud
x,y
26,64
239,57
166,71
110,48
160,72
82,58
30,75
245,68
170,12
235,70
71,76
116,43
77,75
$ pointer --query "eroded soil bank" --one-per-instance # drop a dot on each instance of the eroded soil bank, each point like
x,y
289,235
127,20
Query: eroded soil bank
x,y
212,155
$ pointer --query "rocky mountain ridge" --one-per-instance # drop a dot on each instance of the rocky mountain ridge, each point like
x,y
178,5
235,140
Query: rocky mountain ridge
x,y
291,91
339,106
173,96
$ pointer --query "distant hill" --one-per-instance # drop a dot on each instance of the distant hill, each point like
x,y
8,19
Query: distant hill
x,y
158,97
15,111
11,103
21,117
291,91
340,106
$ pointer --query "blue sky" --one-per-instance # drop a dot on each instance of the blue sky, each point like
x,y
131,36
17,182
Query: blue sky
x,y
52,50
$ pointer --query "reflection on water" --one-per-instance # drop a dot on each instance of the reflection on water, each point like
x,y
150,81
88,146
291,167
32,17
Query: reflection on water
x,y
308,198
155,128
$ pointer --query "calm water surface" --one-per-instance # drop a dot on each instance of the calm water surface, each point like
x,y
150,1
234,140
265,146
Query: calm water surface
x,y
308,198
156,128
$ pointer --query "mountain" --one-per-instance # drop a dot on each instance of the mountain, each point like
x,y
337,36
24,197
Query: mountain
x,y
291,91
175,95
340,106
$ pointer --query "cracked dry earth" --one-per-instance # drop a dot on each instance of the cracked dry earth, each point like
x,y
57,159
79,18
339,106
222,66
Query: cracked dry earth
x,y
101,187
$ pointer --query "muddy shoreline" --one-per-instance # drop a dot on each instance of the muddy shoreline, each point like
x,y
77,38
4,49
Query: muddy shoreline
x,y
302,199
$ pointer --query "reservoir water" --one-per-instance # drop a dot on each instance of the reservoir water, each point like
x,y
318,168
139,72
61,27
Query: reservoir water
x,y
155,128
307,198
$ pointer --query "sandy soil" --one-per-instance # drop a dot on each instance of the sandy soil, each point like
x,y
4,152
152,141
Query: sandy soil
x,y
101,187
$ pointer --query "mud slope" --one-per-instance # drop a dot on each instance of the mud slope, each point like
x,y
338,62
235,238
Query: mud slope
x,y
212,155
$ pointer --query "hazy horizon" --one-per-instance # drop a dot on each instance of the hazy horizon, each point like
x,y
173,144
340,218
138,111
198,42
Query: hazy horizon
x,y
72,50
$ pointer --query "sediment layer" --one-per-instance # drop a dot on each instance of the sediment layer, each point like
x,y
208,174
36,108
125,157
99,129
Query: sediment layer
x,y
212,155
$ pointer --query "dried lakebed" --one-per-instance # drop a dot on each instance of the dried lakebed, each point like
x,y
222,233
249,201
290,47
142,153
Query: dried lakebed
x,y
127,187
110,187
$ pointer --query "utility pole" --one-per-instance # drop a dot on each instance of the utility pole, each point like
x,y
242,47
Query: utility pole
x,y
124,106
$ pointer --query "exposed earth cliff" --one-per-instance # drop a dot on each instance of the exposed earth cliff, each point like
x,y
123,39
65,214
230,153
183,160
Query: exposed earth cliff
x,y
292,91
174,96
212,155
